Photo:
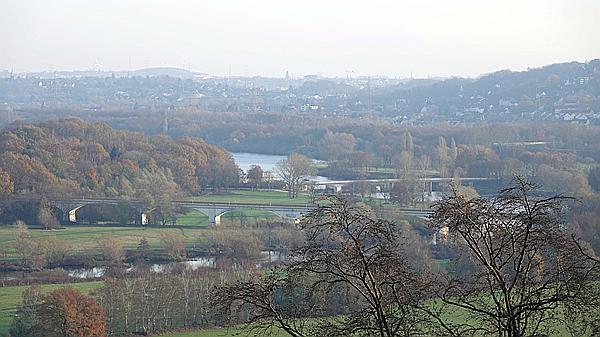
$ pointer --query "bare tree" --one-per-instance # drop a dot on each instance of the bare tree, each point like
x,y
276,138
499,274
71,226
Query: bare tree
x,y
26,317
519,267
351,267
23,242
260,302
30,251
293,171
349,246
234,247
158,190
55,250
255,175
112,250
147,303
174,246
46,218
583,311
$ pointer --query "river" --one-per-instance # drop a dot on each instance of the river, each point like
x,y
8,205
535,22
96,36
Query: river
x,y
266,161
266,256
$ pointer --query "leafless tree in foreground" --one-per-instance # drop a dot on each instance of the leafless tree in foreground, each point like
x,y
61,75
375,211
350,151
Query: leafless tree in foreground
x,y
350,278
582,313
520,267
349,246
268,304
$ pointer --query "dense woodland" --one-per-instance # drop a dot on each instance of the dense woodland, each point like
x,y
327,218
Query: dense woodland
x,y
75,158
83,157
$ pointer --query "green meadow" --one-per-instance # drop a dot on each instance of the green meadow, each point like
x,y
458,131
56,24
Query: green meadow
x,y
10,299
86,238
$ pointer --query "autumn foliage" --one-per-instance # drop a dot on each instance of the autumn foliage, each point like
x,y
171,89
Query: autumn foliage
x,y
68,313
76,157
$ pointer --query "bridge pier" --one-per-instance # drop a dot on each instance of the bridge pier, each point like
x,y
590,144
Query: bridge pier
x,y
216,220
69,212
214,213
73,215
141,218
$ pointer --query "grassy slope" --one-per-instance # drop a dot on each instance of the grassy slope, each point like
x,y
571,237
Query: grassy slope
x,y
193,218
217,332
231,332
10,299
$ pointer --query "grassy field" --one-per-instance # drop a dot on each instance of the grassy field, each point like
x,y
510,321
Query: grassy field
x,y
269,197
193,218
10,299
247,217
231,332
216,332
87,238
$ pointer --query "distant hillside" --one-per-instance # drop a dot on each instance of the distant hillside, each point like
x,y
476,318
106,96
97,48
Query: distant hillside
x,y
556,91
565,92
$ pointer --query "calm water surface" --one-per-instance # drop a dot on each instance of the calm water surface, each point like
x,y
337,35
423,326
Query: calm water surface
x,y
266,161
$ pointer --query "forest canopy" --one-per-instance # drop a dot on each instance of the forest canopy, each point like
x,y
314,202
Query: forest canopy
x,y
74,157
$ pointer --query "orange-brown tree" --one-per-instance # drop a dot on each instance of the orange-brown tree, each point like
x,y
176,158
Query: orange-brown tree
x,y
69,313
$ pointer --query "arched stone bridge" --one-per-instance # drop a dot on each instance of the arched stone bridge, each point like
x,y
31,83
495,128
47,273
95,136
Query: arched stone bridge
x,y
213,210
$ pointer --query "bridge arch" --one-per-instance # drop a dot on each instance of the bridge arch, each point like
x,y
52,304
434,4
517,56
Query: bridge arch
x,y
213,213
267,213
71,212
216,213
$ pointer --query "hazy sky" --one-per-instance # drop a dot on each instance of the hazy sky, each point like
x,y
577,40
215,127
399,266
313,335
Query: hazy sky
x,y
270,37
